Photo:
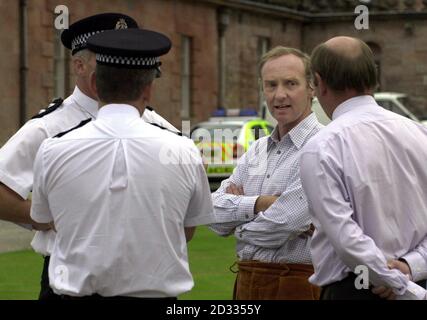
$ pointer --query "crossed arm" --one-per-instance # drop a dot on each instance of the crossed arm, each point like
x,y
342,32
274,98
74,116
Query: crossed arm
x,y
262,203
269,221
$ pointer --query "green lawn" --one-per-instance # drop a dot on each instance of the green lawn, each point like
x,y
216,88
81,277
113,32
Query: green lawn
x,y
210,259
20,275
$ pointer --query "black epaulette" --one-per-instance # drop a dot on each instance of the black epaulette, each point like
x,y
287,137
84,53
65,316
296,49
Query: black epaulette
x,y
149,108
179,133
52,107
81,124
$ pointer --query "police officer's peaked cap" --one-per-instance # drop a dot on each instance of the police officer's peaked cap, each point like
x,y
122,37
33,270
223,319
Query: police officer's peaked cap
x,y
75,37
131,48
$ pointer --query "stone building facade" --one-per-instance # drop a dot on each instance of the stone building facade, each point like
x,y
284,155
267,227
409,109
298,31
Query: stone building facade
x,y
216,47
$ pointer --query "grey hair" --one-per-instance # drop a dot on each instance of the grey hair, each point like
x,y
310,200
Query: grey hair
x,y
279,51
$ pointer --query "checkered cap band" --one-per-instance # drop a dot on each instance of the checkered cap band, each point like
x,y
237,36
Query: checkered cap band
x,y
143,62
81,39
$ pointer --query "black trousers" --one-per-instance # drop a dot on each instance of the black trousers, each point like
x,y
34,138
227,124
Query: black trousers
x,y
345,290
46,292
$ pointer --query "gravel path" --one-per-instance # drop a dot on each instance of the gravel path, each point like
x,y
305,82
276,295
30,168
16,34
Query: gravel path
x,y
13,237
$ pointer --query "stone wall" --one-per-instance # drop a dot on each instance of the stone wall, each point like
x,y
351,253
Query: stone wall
x,y
400,42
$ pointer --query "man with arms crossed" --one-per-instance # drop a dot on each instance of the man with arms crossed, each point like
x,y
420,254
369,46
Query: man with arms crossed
x,y
263,203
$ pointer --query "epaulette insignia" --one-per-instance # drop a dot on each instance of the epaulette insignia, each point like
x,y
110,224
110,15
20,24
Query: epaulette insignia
x,y
81,124
52,107
179,133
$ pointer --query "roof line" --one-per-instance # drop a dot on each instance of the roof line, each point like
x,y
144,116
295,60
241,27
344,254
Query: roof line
x,y
304,16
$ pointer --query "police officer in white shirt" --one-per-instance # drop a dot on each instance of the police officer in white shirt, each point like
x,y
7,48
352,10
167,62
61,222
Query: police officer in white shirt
x,y
124,195
17,155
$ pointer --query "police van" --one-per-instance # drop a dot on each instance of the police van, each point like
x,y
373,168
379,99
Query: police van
x,y
224,138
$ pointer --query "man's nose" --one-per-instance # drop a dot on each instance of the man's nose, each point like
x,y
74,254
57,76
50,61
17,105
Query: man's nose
x,y
281,92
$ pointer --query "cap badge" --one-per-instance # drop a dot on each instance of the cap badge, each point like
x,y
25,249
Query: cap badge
x,y
121,24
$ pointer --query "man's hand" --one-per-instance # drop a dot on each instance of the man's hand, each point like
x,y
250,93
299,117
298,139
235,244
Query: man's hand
x,y
400,265
309,232
43,226
387,293
236,190
189,233
263,203
383,292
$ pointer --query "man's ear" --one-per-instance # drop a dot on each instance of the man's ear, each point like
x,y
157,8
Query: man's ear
x,y
78,65
311,91
320,84
93,87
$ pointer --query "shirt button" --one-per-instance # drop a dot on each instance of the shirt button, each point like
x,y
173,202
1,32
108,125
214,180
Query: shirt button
x,y
279,152
268,176
247,216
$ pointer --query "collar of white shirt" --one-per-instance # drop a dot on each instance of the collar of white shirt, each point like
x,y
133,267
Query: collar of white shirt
x,y
355,102
85,102
115,109
298,134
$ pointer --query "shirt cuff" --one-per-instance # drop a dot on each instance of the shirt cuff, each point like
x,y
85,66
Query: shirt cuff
x,y
413,292
417,264
245,211
200,220
12,184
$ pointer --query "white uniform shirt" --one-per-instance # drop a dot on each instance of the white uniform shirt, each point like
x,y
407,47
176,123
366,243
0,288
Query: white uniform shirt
x,y
120,192
150,116
17,155
366,181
